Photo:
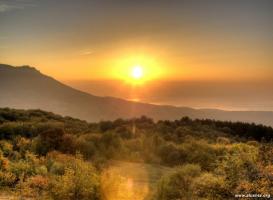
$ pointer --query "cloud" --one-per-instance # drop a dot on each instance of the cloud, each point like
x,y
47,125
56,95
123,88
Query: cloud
x,y
6,6
87,52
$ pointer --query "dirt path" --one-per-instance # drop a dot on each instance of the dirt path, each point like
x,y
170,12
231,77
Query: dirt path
x,y
131,181
5,196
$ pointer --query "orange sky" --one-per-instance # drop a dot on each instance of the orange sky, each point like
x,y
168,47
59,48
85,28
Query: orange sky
x,y
93,42
102,40
114,63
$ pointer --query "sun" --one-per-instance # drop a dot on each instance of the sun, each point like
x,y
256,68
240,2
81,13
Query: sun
x,y
137,72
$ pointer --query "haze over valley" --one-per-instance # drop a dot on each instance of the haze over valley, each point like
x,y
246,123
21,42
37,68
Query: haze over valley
x,y
27,88
255,95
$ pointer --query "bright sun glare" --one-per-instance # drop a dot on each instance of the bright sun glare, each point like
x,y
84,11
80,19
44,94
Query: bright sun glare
x,y
137,72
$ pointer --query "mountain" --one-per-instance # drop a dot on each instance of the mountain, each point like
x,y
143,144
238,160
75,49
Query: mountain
x,y
26,88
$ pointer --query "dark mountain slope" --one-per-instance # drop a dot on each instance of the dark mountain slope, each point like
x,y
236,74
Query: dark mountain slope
x,y
25,87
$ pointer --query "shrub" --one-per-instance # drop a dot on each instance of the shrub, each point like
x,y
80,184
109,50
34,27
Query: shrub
x,y
238,161
7,179
85,147
178,185
253,143
223,140
22,168
35,187
124,132
68,144
22,145
209,186
6,148
49,140
4,162
80,181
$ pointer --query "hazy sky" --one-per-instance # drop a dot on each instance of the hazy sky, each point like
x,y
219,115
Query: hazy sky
x,y
86,41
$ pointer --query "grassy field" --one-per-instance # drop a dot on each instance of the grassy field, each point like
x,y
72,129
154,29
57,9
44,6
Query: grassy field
x,y
134,181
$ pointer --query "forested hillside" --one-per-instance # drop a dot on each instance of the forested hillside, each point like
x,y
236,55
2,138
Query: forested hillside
x,y
47,156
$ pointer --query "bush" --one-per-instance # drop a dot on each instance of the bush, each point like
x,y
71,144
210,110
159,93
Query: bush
x,y
49,140
197,152
22,145
124,132
35,187
223,140
85,147
7,179
68,144
4,162
80,181
178,185
239,161
209,186
6,148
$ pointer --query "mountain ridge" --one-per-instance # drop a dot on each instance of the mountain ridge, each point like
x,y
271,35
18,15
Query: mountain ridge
x,y
26,87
